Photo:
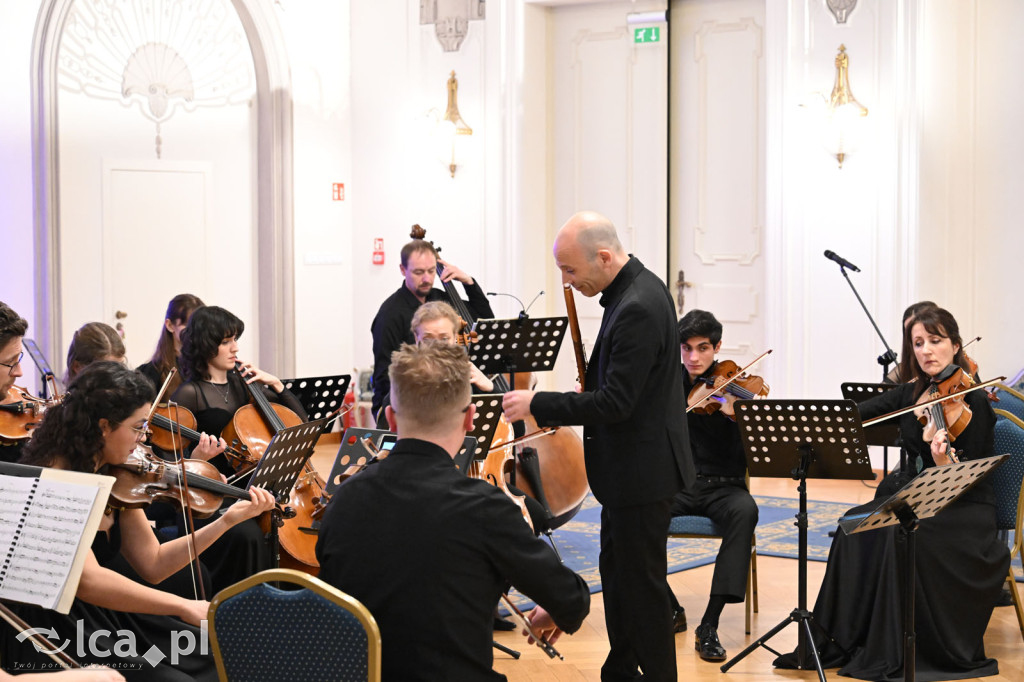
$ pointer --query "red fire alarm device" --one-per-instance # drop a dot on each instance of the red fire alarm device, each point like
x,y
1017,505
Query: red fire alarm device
x,y
338,191
378,251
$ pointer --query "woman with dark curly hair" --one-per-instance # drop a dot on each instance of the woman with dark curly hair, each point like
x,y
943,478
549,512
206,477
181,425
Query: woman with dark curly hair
x,y
213,391
101,421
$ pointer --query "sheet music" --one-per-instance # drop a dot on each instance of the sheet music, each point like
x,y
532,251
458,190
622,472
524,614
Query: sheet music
x,y
46,527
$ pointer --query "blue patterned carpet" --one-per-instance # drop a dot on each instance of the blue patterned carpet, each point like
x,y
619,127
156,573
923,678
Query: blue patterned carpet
x,y
579,540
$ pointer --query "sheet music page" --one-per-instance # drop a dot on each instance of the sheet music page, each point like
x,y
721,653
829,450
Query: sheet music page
x,y
47,540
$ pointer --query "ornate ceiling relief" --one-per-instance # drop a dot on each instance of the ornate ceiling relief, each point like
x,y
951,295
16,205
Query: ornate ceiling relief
x,y
157,55
450,19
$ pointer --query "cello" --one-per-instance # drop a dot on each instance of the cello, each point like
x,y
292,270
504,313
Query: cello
x,y
563,477
254,425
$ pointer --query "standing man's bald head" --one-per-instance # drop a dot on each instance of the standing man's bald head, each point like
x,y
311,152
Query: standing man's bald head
x,y
588,252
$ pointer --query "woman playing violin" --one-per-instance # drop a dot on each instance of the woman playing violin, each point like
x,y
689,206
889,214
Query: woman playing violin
x,y
100,422
961,563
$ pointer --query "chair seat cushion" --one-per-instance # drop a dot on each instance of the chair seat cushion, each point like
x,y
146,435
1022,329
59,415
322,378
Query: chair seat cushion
x,y
693,525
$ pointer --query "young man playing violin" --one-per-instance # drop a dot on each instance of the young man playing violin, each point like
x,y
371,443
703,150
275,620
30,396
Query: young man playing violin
x,y
12,330
412,530
720,491
390,327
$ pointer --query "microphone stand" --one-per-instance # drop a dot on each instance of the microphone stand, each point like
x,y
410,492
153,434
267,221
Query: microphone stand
x,y
886,358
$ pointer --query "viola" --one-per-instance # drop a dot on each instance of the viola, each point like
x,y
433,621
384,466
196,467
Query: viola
x,y
21,413
254,425
951,415
726,377
144,478
171,423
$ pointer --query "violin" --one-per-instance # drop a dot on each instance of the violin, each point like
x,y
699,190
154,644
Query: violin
x,y
951,415
171,423
20,413
144,478
725,377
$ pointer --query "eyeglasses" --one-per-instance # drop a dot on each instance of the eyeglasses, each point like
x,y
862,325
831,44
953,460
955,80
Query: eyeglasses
x,y
142,432
13,364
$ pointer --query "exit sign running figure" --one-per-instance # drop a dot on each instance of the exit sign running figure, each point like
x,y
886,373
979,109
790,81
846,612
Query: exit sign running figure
x,y
649,34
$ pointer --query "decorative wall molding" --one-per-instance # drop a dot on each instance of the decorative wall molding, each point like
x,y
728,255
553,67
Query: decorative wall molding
x,y
746,238
157,55
841,9
451,19
274,228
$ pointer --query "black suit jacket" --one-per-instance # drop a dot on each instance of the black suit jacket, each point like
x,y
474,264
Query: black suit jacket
x,y
635,435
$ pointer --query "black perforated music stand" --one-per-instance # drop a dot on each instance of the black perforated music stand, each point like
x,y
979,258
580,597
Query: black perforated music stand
x,y
885,434
801,439
929,493
279,469
528,344
485,424
46,374
320,396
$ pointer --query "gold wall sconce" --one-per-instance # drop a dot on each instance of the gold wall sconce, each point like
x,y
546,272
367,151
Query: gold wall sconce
x,y
452,131
844,125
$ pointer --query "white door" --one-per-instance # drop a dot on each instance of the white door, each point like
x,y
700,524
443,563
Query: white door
x,y
718,160
155,235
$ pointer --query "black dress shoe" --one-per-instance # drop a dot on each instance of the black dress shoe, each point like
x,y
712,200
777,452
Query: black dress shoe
x,y
707,644
679,619
502,625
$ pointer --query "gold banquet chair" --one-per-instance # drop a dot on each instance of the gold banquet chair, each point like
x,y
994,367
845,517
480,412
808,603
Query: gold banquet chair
x,y
261,632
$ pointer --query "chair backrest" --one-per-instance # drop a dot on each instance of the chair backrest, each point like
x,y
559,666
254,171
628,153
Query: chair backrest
x,y
1007,479
261,632
1010,401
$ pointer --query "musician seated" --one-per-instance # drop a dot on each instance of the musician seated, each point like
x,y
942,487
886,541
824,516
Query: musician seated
x,y
961,563
720,491
99,422
12,330
413,530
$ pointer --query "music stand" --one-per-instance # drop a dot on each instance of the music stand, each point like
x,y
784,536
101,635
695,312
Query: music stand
x,y
279,469
320,396
885,434
801,439
45,373
929,493
528,344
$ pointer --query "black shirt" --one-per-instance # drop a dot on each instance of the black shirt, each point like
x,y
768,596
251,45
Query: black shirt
x,y
391,328
428,551
714,440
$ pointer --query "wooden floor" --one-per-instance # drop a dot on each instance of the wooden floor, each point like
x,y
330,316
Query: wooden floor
x,y
777,582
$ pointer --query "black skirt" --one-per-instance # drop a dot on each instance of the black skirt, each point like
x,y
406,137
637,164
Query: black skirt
x,y
961,565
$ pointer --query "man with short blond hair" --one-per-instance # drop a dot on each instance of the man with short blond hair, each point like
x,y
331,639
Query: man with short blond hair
x,y
428,550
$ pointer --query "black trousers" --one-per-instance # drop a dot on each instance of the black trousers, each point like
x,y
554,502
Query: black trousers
x,y
637,611
732,508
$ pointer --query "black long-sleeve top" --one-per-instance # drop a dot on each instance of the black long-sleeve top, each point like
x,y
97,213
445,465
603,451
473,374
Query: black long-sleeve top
x,y
429,551
714,440
390,328
976,441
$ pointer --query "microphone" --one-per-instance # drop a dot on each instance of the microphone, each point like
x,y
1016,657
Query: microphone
x,y
833,256
522,313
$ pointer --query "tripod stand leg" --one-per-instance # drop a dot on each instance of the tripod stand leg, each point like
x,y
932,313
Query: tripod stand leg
x,y
814,649
758,642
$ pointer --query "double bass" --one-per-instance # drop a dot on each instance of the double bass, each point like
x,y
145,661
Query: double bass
x,y
563,475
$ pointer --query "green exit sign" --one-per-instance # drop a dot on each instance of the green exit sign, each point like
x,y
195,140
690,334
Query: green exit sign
x,y
650,34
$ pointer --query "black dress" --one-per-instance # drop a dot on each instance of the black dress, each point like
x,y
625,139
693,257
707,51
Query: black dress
x,y
960,562
242,551
127,639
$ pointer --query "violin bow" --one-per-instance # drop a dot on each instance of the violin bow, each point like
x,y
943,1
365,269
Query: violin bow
x,y
42,645
932,401
526,438
523,621
731,379
185,496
